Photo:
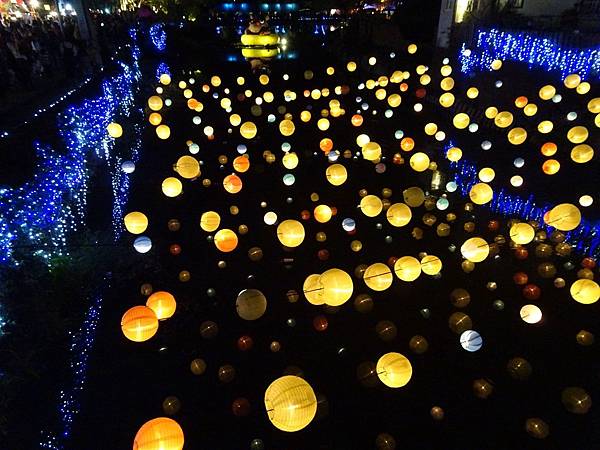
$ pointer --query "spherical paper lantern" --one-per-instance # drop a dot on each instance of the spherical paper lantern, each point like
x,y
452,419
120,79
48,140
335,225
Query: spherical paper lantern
x,y
162,303
585,291
291,403
475,249
114,130
210,221
522,233
226,240
290,160
139,323
290,233
337,287
313,289
371,151
322,213
563,217
398,215
188,167
378,277
582,153
251,304
431,265
155,103
504,119
136,222
530,314
336,174
471,340
414,196
163,131
286,127
248,130
481,193
161,433
232,183
407,268
171,187
371,205
577,134
394,370
241,164
547,92
142,244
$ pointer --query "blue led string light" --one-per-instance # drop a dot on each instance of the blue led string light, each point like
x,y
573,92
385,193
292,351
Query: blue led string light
x,y
70,397
537,52
161,68
42,212
158,36
585,238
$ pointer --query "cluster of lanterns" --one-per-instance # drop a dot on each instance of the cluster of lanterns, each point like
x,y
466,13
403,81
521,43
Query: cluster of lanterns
x,y
290,401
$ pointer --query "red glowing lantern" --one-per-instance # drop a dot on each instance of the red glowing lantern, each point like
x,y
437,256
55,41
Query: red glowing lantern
x,y
320,323
245,343
532,292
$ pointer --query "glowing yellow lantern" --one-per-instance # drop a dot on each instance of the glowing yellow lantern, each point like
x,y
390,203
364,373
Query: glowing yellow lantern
x,y
210,221
165,79
172,187
163,131
425,79
232,183
235,120
336,174
430,129
290,160
313,289
241,164
398,215
187,93
472,92
572,81
290,233
337,287
582,153
371,205
431,265
362,140
547,92
504,119
155,119
188,167
593,105
248,130
583,88
454,154
215,81
577,134
549,149
475,249
394,100
155,103
322,213
407,268
163,304
481,193
461,121
521,102
446,70
447,83
496,64
517,136
161,433
378,277
407,144
380,94
139,324
545,126
305,116
291,403
522,233
136,222
585,291
563,217
394,370
530,110
226,240
447,99
491,112
114,130
351,66
550,166
487,174
419,162
371,151
412,49
323,124
286,127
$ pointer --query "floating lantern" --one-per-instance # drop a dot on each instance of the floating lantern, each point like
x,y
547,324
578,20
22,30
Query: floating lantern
x,y
378,277
322,213
290,233
399,215
563,217
232,183
481,193
475,249
585,291
394,370
251,304
522,233
291,403
160,433
188,167
136,222
210,221
139,323
471,340
530,314
407,268
336,174
171,187
226,240
114,130
371,205
142,244
162,303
